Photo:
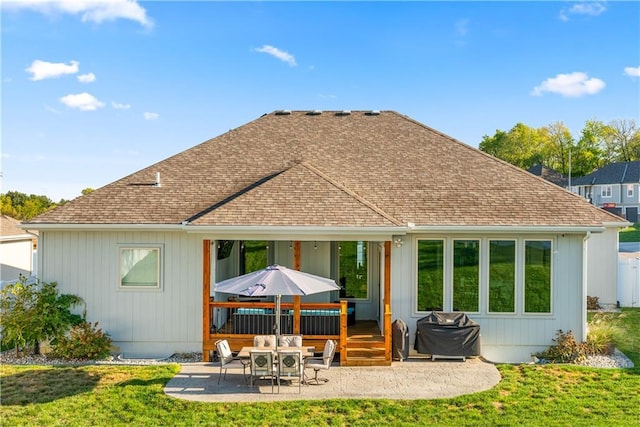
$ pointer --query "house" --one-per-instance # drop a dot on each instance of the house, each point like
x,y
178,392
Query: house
x,y
602,260
17,250
549,174
408,220
614,187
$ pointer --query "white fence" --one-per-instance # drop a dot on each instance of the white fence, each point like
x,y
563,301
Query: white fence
x,y
629,279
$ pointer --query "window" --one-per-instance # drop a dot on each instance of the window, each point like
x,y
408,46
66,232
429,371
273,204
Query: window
x,y
537,276
606,191
430,275
353,269
502,276
140,267
629,190
254,255
466,275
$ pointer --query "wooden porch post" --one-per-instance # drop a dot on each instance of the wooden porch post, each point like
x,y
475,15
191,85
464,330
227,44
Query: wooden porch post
x,y
387,300
296,298
206,292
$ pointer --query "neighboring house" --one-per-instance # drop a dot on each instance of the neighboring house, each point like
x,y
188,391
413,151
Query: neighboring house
x,y
615,187
603,252
17,250
408,219
550,175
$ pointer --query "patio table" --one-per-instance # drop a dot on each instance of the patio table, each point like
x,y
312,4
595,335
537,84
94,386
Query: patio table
x,y
307,351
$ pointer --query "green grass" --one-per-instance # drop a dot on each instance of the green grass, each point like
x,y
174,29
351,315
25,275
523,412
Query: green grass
x,y
630,234
532,395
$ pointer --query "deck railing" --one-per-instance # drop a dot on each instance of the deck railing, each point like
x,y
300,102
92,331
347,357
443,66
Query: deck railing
x,y
239,322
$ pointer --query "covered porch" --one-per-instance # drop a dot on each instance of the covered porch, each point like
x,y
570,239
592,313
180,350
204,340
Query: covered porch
x,y
361,341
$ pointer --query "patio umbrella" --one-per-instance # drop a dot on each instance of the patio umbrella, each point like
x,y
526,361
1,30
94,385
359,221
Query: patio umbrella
x,y
276,280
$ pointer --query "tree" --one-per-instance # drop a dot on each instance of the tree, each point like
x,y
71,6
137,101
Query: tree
x,y
32,313
622,138
521,146
557,145
589,153
20,206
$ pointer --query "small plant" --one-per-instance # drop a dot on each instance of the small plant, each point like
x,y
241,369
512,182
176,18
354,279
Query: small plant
x,y
593,303
85,341
566,349
603,331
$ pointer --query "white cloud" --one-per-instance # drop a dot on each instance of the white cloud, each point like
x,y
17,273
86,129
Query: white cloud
x,y
589,8
632,71
150,116
277,53
82,101
570,85
96,11
119,106
87,78
41,70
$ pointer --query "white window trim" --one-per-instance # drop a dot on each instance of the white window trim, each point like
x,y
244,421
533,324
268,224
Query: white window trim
x,y
629,190
524,276
610,191
515,276
159,248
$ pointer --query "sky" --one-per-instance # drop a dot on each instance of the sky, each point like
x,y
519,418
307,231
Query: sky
x,y
93,91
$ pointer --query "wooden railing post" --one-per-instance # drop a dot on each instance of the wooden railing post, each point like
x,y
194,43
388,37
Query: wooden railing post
x,y
387,300
343,333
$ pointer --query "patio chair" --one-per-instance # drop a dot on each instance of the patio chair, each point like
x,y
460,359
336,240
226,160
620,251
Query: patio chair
x,y
227,361
290,366
264,341
290,341
321,363
262,366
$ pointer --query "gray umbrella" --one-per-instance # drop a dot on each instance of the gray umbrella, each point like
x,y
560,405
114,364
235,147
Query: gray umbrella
x,y
276,280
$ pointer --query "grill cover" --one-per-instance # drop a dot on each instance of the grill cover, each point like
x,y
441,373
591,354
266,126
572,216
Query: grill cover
x,y
447,334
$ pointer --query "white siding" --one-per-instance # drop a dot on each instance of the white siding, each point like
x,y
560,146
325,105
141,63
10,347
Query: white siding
x,y
504,337
16,259
602,267
140,322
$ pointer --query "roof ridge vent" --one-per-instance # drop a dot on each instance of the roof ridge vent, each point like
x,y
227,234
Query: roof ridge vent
x,y
373,113
283,112
343,113
314,112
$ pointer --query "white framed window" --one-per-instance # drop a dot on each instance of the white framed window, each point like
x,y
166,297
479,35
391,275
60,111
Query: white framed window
x,y
502,276
606,191
430,272
140,267
629,190
466,275
537,276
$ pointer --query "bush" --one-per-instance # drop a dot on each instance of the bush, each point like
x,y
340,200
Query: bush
x,y
85,341
32,313
603,331
593,303
566,349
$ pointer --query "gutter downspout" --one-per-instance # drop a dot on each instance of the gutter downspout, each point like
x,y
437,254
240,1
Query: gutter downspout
x,y
584,286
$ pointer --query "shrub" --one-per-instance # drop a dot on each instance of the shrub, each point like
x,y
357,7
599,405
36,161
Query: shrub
x,y
35,312
603,331
566,349
592,303
85,341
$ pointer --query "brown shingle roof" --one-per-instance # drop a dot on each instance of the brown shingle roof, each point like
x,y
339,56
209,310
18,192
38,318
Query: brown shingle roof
x,y
331,169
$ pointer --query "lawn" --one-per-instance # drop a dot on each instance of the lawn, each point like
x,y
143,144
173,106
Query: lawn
x,y
630,234
533,395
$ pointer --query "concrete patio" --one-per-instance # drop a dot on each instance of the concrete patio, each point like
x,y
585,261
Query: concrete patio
x,y
415,378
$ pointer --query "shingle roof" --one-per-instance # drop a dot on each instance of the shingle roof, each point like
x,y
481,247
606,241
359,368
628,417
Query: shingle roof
x,y
331,169
614,173
9,227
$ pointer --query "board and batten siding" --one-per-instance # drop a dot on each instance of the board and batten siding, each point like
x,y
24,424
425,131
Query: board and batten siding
x,y
147,322
602,268
508,338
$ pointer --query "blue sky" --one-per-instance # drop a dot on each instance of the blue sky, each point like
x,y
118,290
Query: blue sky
x,y
95,90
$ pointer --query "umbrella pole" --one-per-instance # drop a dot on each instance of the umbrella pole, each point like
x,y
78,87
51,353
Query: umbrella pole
x,y
278,297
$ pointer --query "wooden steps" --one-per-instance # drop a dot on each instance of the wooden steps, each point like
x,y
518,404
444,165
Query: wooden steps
x,y
366,349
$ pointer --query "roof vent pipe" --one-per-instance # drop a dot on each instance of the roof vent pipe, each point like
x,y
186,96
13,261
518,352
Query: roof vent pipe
x,y
157,183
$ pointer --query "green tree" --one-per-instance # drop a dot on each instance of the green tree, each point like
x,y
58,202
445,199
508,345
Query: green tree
x,y
32,313
24,207
589,154
557,144
521,146
622,139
